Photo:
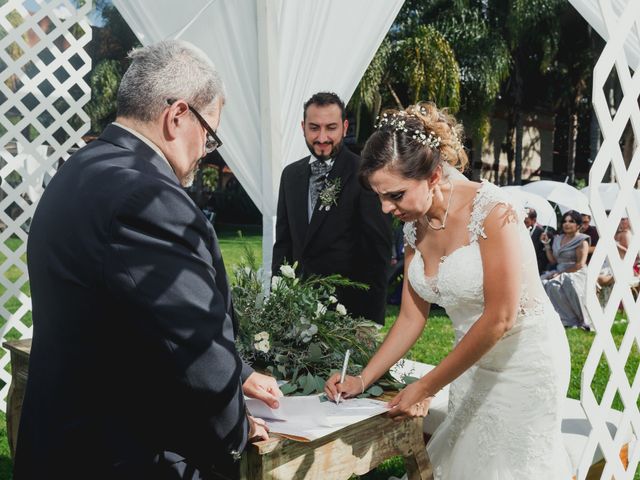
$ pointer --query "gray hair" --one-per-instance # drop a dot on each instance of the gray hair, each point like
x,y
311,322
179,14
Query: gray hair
x,y
170,69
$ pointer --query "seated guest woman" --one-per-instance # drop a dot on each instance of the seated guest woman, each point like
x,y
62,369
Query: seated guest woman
x,y
566,286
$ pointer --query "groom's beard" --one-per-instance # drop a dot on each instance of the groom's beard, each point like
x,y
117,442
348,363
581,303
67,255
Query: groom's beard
x,y
335,149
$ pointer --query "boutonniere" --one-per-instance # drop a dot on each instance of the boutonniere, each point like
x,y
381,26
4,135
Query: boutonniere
x,y
329,194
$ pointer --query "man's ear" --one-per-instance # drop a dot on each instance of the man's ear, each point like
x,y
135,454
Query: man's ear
x,y
174,116
302,125
346,127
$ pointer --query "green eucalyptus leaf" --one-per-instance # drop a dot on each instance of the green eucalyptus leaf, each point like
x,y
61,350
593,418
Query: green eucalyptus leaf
x,y
408,379
319,384
375,391
315,352
294,377
310,385
288,388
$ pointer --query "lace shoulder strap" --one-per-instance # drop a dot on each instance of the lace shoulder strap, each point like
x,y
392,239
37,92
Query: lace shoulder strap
x,y
488,196
409,230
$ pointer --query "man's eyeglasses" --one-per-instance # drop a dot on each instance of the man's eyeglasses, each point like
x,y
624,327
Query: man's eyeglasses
x,y
213,141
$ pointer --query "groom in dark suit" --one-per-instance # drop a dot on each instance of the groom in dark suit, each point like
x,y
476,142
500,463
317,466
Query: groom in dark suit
x,y
133,370
327,222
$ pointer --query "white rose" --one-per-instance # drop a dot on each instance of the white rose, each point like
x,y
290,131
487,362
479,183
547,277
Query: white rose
x,y
262,346
261,336
333,299
340,308
287,271
275,281
320,309
247,270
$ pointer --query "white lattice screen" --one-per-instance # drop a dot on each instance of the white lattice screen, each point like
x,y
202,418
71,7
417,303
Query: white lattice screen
x,y
42,92
622,26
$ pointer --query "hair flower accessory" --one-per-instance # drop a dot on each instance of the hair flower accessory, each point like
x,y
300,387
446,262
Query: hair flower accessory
x,y
396,121
432,140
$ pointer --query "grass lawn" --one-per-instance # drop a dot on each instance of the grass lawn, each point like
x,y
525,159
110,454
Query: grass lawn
x,y
436,341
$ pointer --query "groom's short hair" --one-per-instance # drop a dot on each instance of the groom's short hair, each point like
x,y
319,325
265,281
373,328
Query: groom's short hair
x,y
322,99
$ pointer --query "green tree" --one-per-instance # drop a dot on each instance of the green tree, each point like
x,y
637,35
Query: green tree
x,y
428,67
408,67
484,61
104,82
108,50
531,30
573,79
367,95
504,49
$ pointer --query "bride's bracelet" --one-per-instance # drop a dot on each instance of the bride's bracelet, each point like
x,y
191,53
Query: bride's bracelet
x,y
361,382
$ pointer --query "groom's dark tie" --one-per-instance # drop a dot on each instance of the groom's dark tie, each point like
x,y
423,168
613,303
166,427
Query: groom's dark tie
x,y
319,172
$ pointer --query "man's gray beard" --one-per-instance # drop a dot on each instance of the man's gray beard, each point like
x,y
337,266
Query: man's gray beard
x,y
187,181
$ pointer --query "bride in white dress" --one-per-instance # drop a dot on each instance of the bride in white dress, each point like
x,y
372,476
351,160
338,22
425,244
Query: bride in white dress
x,y
467,249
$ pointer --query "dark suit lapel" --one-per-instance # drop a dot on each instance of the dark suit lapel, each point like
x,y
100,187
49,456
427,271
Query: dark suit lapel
x,y
341,169
299,188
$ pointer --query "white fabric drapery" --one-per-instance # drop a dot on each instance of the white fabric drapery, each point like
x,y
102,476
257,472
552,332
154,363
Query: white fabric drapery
x,y
591,10
273,55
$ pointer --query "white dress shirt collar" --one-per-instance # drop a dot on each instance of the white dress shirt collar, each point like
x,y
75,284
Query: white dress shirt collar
x,y
145,140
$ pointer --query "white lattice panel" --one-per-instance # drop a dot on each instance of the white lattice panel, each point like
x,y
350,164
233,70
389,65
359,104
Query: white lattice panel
x,y
621,28
42,92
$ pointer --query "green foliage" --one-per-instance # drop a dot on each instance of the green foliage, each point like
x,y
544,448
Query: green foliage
x,y
367,93
409,66
429,68
299,331
210,177
484,61
105,80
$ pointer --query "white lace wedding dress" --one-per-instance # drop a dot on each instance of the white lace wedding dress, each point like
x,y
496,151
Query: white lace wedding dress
x,y
504,414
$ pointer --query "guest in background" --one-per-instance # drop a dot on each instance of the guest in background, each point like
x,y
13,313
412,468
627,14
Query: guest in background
x,y
623,236
606,278
535,230
566,286
590,230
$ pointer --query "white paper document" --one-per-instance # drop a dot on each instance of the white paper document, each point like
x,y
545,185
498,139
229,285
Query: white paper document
x,y
308,418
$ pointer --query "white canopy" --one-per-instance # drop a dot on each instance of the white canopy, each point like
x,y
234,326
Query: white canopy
x,y
273,55
592,12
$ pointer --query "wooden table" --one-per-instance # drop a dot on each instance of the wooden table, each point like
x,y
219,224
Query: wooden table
x,y
356,449
20,350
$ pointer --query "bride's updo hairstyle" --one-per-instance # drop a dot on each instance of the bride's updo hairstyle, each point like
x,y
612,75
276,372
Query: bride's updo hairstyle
x,y
413,142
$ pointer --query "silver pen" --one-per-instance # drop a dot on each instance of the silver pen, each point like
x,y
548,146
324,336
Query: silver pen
x,y
344,371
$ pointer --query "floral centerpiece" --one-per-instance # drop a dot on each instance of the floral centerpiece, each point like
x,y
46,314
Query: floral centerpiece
x,y
299,331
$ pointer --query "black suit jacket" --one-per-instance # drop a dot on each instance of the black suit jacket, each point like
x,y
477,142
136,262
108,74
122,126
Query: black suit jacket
x,y
353,238
133,371
541,256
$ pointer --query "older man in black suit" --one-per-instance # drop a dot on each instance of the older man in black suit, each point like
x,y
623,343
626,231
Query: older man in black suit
x,y
133,371
327,222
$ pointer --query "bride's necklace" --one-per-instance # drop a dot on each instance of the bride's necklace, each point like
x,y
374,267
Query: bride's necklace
x,y
446,213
